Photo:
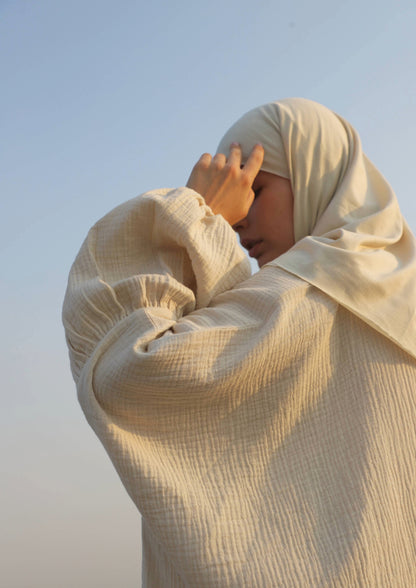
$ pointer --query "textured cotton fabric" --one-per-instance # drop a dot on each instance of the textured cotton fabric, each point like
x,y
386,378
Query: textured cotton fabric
x,y
265,432
351,239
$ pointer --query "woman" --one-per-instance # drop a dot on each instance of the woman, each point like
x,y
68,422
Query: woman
x,y
263,425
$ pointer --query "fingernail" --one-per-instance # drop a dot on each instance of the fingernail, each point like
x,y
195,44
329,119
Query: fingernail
x,y
260,145
235,144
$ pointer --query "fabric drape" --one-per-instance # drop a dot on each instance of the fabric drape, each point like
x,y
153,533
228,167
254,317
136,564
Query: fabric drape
x,y
351,239
265,433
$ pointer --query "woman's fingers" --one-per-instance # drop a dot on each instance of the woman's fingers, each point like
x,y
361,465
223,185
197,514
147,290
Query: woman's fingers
x,y
219,160
225,184
205,159
234,157
254,161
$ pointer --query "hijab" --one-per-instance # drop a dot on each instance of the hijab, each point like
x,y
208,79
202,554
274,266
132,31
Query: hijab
x,y
351,240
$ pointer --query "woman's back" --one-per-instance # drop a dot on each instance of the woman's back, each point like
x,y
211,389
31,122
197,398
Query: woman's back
x,y
307,477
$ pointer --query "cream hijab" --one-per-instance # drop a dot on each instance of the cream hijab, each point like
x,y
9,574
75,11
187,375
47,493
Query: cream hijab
x,y
351,239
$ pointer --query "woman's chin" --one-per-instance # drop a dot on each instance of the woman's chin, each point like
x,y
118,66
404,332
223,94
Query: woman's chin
x,y
263,259
266,257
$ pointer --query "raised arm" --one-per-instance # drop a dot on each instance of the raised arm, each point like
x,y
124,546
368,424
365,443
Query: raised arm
x,y
158,257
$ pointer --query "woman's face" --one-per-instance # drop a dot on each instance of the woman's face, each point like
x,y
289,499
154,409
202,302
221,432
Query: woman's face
x,y
267,231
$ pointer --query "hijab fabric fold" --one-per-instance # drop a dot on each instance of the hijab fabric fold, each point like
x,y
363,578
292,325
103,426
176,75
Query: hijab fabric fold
x,y
352,241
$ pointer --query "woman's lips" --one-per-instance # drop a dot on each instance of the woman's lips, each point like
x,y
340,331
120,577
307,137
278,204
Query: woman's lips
x,y
253,246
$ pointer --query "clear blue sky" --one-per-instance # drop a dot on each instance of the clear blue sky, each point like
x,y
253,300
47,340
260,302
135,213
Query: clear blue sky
x,y
102,100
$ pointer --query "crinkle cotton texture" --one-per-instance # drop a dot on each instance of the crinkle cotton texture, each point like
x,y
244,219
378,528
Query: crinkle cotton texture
x,y
351,239
265,432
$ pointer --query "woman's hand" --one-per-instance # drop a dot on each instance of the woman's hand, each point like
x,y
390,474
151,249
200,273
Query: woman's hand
x,y
224,184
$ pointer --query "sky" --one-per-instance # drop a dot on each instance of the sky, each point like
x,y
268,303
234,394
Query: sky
x,y
103,100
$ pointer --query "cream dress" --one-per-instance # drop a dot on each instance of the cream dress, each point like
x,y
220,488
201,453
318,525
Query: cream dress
x,y
266,433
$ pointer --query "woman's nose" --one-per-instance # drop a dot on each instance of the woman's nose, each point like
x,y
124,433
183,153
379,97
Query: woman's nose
x,y
241,224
